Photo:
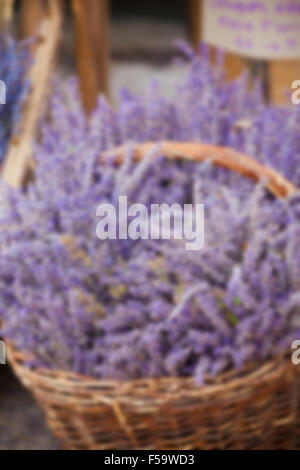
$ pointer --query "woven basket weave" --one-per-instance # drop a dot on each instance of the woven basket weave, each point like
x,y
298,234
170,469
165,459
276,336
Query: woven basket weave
x,y
257,409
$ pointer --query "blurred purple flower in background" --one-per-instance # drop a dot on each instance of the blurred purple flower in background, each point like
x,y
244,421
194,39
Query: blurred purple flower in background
x,y
15,59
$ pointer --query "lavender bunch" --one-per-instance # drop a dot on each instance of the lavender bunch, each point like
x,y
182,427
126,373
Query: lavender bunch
x,y
127,309
13,66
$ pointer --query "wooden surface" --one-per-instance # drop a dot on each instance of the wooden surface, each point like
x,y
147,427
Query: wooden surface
x,y
6,10
194,16
20,150
31,14
281,75
98,18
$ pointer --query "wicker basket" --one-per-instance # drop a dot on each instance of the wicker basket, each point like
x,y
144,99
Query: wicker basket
x,y
257,409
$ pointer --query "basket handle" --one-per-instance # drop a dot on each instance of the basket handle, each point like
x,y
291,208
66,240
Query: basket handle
x,y
19,155
226,157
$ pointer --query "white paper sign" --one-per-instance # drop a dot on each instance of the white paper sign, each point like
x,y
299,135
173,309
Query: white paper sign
x,y
265,29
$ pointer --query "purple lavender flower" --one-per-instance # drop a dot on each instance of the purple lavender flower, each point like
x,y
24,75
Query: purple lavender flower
x,y
127,309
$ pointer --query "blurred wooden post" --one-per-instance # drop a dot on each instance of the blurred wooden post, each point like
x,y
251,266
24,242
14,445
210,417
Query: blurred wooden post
x,y
194,15
92,50
32,13
6,12
99,32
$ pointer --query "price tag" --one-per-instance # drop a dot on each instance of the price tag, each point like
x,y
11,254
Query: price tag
x,y
258,29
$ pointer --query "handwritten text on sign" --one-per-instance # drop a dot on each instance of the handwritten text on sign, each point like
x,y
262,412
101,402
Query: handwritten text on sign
x,y
265,29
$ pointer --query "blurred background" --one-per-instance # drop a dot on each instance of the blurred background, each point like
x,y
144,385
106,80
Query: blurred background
x,y
112,44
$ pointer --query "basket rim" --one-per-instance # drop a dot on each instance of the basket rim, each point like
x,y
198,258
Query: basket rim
x,y
219,155
252,374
